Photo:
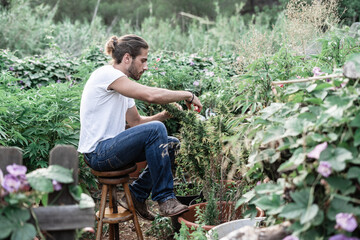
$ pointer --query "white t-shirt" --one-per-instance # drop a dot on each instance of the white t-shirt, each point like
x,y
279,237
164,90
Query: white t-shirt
x,y
102,111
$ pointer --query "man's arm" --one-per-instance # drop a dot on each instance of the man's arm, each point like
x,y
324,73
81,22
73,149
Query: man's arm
x,y
133,117
132,89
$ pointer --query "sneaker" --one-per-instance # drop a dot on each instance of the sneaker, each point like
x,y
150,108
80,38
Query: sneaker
x,y
172,207
140,208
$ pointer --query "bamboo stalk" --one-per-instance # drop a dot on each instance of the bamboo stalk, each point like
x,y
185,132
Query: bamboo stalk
x,y
307,79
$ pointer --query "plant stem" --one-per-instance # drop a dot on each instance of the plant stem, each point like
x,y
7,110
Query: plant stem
x,y
307,79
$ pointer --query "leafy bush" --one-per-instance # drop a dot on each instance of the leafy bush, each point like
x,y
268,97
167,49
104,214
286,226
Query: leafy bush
x,y
308,146
38,119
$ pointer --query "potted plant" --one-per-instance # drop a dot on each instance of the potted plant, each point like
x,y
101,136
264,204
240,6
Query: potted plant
x,y
188,192
212,213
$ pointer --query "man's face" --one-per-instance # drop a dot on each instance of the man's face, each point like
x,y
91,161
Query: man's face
x,y
138,65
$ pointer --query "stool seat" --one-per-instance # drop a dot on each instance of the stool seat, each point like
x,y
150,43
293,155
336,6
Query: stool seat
x,y
122,215
117,173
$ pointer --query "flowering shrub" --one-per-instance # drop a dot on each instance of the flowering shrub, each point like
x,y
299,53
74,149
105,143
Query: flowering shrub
x,y
309,147
19,192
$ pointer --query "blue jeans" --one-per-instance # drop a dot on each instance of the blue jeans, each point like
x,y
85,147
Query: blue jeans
x,y
148,142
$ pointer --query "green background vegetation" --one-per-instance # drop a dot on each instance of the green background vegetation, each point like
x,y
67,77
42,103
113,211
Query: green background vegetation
x,y
228,53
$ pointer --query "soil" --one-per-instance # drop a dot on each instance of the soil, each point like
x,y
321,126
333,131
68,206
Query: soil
x,y
126,229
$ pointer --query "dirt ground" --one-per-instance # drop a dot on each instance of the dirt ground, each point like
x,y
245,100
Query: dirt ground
x,y
126,229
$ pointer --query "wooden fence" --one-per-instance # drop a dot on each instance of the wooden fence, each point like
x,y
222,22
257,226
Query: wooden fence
x,y
61,220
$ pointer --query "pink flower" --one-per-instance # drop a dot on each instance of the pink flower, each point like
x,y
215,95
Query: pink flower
x,y
192,63
196,83
342,237
324,168
317,72
16,170
56,185
291,237
315,153
11,183
346,221
158,60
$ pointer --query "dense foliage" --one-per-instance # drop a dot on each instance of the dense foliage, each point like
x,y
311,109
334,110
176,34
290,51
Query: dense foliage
x,y
303,137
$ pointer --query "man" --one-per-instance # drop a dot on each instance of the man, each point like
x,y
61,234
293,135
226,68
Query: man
x,y
107,103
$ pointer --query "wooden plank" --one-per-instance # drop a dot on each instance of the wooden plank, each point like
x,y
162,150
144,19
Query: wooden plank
x,y
8,156
65,156
67,217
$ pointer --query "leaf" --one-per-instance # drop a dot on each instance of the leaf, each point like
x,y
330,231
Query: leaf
x,y
301,197
292,211
270,203
86,201
310,213
245,198
354,172
6,227
41,184
336,157
55,172
273,134
352,66
24,232
356,121
357,138
266,188
75,192
270,110
339,183
296,159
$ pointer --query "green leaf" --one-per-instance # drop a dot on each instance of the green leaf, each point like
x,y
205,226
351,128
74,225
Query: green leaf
x,y
356,121
270,110
309,214
6,227
86,201
339,183
41,184
75,192
301,197
24,232
323,86
311,87
292,211
270,203
354,172
245,198
357,138
296,159
18,215
55,172
273,134
266,188
336,157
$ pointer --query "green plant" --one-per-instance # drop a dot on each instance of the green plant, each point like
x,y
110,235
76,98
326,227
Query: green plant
x,y
161,228
308,145
187,188
19,193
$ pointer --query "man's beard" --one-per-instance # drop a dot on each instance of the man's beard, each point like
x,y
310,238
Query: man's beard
x,y
133,73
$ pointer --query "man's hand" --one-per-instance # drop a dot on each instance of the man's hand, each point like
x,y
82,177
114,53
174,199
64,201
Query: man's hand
x,y
196,102
168,115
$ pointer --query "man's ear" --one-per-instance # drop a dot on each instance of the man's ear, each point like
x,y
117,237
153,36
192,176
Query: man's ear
x,y
126,58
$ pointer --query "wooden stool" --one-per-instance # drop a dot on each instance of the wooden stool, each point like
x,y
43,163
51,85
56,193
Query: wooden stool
x,y
114,214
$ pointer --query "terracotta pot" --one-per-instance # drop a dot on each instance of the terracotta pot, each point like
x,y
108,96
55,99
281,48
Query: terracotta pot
x,y
189,217
140,166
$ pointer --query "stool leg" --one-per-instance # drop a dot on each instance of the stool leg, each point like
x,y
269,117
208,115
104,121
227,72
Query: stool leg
x,y
111,226
101,211
132,210
113,205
